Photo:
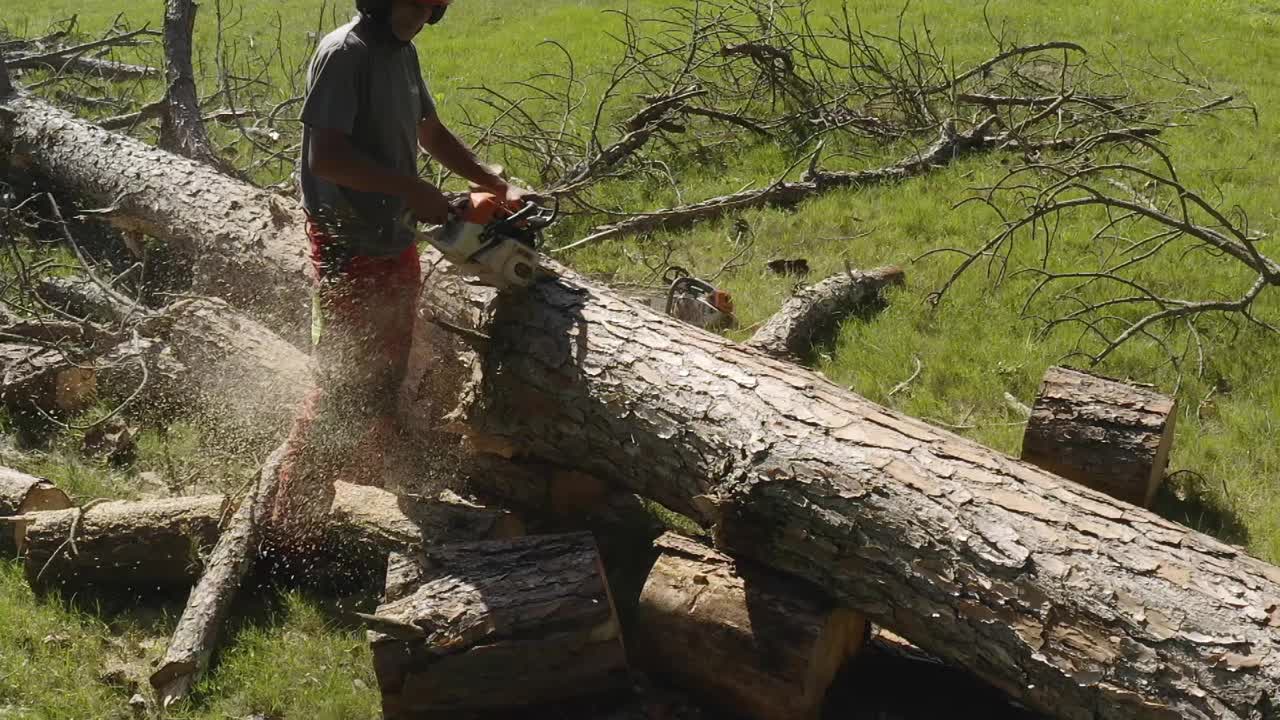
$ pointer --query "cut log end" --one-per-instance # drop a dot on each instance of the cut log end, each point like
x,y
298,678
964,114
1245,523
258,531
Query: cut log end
x,y
20,495
1103,433
751,641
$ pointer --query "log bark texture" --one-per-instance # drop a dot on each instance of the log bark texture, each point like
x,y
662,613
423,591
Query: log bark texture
x,y
247,244
749,640
21,494
1101,432
45,379
815,312
1073,603
155,544
497,624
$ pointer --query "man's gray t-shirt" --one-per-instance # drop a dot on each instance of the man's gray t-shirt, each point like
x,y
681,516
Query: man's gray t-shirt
x,y
369,87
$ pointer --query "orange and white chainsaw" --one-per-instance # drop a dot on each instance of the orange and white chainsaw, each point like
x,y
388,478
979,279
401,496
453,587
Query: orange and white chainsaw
x,y
486,238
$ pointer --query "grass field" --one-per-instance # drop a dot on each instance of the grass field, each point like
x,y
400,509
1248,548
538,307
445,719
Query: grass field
x,y
292,660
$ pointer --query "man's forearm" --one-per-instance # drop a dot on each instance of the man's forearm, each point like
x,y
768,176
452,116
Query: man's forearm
x,y
456,157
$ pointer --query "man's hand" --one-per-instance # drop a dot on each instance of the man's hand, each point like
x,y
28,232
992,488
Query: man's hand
x,y
428,204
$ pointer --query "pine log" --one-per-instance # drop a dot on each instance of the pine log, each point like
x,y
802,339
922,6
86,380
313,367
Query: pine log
x,y
247,245
754,642
814,313
21,494
497,624
1101,432
148,545
1071,602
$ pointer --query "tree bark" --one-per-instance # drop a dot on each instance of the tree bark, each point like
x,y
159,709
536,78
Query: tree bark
x,y
155,544
495,625
45,379
247,245
181,126
982,560
1067,600
815,312
20,494
749,640
1106,434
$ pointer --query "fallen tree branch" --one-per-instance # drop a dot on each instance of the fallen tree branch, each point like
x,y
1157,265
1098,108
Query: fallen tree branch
x,y
813,313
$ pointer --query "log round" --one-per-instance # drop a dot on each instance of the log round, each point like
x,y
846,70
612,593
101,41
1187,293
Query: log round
x,y
1073,603
496,624
749,640
21,494
815,312
1101,432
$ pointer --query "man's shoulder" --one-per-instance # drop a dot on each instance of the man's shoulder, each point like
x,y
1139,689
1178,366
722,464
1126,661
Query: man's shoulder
x,y
342,39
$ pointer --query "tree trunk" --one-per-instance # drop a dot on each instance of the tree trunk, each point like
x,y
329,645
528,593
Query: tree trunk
x,y
983,560
749,640
155,544
814,313
247,245
181,126
1106,434
1058,595
498,624
44,380
21,494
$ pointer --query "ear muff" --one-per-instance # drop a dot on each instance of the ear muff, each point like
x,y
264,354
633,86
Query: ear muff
x,y
437,12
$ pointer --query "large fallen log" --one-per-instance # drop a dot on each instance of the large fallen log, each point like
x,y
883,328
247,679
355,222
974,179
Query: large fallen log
x,y
749,639
496,625
1069,601
239,253
21,494
812,314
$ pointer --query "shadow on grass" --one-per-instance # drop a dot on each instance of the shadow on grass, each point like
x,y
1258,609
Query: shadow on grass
x,y
1188,498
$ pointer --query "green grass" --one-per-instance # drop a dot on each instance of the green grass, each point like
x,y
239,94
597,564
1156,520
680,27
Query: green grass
x,y
971,350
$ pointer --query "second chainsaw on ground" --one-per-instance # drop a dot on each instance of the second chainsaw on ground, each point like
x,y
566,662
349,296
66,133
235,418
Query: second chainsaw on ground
x,y
486,238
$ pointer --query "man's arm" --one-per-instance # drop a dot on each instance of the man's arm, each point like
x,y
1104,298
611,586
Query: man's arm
x,y
440,142
334,158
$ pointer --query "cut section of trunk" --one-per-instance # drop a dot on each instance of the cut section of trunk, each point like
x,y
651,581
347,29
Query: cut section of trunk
x,y
815,312
499,624
752,641
1101,432
155,544
20,494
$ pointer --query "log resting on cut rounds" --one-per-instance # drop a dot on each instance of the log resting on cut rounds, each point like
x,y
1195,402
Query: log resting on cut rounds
x,y
496,624
247,244
1101,432
816,311
982,560
754,641
1073,603
20,494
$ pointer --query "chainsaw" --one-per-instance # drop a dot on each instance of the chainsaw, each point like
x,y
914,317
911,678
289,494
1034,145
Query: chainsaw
x,y
697,301
485,237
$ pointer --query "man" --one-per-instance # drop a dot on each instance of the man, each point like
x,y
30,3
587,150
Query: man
x,y
366,111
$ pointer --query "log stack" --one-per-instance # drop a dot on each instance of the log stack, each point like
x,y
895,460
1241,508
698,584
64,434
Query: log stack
x,y
1104,433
